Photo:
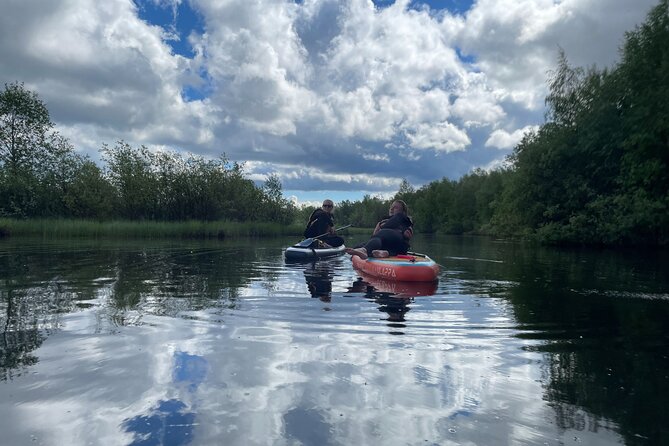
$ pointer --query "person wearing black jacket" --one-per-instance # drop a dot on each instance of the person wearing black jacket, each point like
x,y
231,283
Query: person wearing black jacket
x,y
390,237
321,222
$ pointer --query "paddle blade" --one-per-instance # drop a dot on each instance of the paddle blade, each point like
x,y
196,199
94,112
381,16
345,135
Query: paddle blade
x,y
305,243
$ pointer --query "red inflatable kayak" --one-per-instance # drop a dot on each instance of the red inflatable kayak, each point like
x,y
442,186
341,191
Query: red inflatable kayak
x,y
412,267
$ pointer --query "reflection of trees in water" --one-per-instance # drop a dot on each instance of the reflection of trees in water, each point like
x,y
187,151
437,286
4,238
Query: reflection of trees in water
x,y
583,269
166,283
600,317
603,356
26,315
38,286
588,310
611,380
16,352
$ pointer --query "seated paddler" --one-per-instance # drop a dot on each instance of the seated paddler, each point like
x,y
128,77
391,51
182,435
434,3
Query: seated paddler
x,y
391,235
321,225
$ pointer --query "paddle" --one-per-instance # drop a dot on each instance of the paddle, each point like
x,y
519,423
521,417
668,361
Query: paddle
x,y
308,241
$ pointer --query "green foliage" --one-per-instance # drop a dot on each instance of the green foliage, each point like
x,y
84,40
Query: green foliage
x,y
17,193
89,195
41,176
457,207
597,172
130,172
274,206
24,128
34,159
169,186
405,191
367,212
191,229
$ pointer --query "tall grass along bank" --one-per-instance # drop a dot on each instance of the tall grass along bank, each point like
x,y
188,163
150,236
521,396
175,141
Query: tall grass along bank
x,y
61,228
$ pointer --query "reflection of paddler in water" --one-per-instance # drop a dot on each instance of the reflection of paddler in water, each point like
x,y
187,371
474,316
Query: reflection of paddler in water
x,y
319,280
395,305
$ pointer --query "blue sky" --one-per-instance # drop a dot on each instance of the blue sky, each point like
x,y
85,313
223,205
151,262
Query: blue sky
x,y
338,98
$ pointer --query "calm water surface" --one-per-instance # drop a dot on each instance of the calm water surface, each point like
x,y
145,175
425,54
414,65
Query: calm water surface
x,y
223,343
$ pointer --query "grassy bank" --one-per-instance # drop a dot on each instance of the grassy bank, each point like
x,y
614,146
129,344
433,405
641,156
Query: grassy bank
x,y
57,228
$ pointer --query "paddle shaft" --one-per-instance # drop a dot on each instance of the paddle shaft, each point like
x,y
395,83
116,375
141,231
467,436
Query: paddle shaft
x,y
338,229
308,241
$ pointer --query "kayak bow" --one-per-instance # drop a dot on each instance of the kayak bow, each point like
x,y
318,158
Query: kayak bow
x,y
412,267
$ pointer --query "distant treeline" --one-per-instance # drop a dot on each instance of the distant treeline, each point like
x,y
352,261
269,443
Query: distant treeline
x,y
596,172
41,176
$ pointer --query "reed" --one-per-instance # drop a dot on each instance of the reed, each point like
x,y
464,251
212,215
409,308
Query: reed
x,y
64,228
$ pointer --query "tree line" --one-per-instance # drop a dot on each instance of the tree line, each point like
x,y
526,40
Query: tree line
x,y
596,172
41,176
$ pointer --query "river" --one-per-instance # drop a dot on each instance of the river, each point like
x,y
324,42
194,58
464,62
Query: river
x,y
224,343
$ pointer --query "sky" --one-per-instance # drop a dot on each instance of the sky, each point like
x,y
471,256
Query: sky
x,y
338,98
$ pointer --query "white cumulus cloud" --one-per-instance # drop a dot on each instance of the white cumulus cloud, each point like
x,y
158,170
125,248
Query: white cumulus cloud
x,y
304,84
501,139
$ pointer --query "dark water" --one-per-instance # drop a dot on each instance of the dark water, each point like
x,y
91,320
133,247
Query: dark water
x,y
223,343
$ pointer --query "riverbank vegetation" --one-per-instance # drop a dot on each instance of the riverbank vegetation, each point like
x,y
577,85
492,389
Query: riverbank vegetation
x,y
596,172
192,229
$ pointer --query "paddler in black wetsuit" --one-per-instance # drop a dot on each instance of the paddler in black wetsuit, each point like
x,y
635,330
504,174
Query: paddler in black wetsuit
x,y
391,236
321,222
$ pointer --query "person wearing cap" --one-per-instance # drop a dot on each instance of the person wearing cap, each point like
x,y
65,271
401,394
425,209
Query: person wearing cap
x,y
321,222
